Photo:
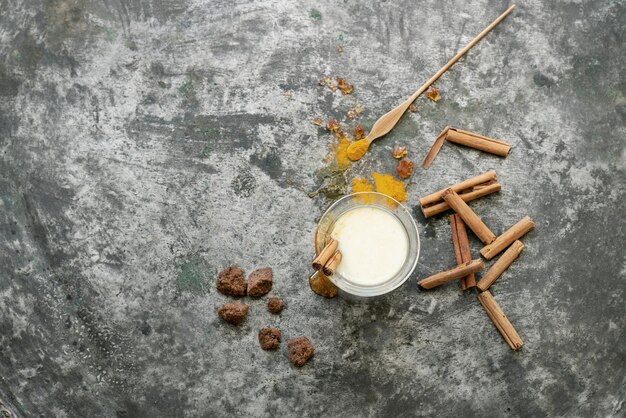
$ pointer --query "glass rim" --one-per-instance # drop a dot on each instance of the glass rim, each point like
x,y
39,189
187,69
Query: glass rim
x,y
411,230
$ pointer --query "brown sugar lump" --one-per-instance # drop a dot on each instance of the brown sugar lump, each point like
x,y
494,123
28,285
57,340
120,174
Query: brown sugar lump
x,y
232,281
260,282
275,305
269,338
300,351
233,313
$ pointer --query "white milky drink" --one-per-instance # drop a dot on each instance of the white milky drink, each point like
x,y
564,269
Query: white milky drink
x,y
373,243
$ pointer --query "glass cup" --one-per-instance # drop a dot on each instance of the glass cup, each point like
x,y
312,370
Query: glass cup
x,y
390,205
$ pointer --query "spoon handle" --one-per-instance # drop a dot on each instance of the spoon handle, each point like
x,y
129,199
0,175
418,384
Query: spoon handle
x,y
387,121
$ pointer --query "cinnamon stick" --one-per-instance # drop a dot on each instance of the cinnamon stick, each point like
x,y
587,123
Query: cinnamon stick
x,y
500,320
325,254
467,196
452,274
499,266
488,177
434,150
507,238
461,249
330,267
479,142
469,216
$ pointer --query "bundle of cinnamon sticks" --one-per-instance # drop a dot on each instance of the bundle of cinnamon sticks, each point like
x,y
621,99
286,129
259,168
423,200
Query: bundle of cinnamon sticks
x,y
325,265
456,197
468,190
328,259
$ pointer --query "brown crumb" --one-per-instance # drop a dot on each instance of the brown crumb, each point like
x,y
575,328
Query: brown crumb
x,y
260,282
333,125
399,152
275,305
231,281
233,313
344,86
269,338
355,111
340,49
412,108
326,80
341,135
300,351
318,121
433,94
359,132
404,168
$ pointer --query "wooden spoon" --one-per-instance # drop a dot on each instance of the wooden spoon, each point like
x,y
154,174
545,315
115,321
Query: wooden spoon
x,y
386,122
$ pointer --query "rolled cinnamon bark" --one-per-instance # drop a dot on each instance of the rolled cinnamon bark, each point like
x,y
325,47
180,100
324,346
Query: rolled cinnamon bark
x,y
461,249
500,320
499,266
325,254
469,216
479,142
452,274
434,150
477,192
330,267
489,176
507,238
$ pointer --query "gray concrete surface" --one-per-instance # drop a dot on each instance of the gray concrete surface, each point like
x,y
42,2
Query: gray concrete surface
x,y
147,145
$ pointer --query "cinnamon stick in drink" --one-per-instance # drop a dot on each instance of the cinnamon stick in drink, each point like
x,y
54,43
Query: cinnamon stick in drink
x,y
461,249
479,142
325,254
330,267
452,274
507,238
467,196
503,263
500,320
469,216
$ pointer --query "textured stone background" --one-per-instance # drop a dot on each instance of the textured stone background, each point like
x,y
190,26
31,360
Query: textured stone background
x,y
147,145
